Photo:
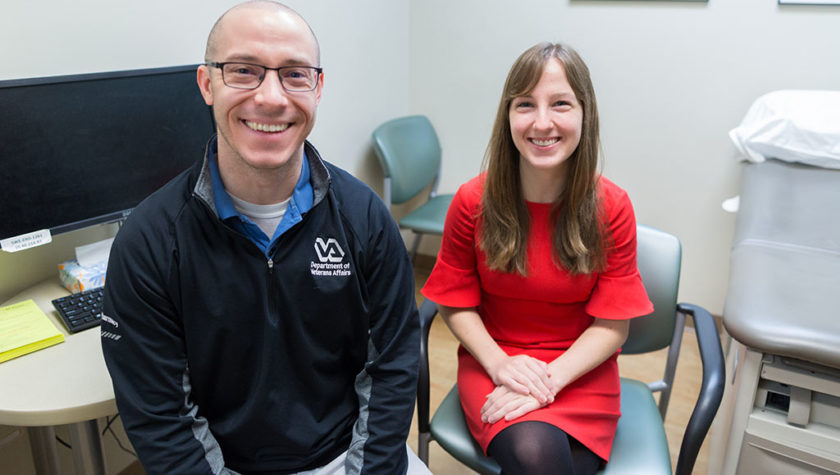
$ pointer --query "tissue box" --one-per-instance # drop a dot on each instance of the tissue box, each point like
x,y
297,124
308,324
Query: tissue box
x,y
77,278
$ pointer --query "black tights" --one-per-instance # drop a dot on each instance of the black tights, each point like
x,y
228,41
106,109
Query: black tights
x,y
535,448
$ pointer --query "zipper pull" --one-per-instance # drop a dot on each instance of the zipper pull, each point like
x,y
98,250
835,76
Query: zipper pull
x,y
270,264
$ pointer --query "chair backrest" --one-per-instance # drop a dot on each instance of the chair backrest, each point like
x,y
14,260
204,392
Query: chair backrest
x,y
409,153
659,257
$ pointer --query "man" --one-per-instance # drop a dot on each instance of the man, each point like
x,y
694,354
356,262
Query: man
x,y
259,312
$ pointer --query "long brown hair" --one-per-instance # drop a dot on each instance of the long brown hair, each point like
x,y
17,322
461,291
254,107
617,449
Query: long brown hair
x,y
579,235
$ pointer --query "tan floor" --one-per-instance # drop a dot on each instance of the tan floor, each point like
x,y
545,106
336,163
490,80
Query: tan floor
x,y
649,367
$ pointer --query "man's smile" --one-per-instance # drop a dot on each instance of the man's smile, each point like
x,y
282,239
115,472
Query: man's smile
x,y
260,127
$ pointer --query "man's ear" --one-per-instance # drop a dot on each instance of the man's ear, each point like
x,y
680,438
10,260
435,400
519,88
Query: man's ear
x,y
319,88
203,78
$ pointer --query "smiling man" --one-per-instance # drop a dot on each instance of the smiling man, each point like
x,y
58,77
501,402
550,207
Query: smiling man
x,y
261,305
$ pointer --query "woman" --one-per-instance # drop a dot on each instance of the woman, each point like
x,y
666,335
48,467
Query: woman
x,y
537,276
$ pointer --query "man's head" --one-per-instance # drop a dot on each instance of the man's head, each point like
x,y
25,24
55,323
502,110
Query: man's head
x,y
212,38
262,128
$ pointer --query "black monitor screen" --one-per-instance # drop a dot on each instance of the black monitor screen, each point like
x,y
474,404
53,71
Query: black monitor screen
x,y
85,149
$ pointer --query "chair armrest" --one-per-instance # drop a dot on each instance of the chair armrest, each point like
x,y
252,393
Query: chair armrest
x,y
428,310
711,390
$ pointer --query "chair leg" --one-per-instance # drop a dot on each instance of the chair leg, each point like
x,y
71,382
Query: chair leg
x,y
671,364
428,310
423,440
415,246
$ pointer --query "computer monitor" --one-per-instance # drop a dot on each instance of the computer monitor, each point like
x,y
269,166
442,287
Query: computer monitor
x,y
81,150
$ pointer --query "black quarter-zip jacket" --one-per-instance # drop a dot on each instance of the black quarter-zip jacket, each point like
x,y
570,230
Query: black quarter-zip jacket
x,y
225,359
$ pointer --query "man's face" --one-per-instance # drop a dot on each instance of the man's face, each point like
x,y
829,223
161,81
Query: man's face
x,y
263,128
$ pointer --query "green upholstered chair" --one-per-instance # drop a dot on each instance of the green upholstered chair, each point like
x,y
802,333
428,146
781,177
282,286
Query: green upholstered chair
x,y
409,153
640,445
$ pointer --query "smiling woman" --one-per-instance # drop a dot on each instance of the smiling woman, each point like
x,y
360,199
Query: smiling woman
x,y
537,276
558,75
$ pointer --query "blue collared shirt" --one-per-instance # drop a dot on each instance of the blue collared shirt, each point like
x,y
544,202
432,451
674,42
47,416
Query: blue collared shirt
x,y
300,203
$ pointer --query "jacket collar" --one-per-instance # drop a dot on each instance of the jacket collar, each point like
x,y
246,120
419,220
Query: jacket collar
x,y
319,175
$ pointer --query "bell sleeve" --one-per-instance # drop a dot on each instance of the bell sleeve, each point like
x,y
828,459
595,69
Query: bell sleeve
x,y
619,293
454,281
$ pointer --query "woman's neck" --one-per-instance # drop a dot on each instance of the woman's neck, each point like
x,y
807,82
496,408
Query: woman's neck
x,y
542,186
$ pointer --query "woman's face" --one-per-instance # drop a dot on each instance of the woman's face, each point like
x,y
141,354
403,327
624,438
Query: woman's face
x,y
546,123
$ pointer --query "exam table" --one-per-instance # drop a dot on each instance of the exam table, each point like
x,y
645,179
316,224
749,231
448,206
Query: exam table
x,y
781,408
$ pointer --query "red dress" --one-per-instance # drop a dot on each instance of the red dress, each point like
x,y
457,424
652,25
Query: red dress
x,y
542,314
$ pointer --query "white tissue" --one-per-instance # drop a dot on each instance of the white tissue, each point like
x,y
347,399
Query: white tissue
x,y
94,253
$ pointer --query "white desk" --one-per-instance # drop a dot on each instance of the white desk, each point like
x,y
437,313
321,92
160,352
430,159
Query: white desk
x,y
67,383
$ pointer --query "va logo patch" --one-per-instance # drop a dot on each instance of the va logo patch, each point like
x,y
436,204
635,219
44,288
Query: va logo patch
x,y
328,251
330,259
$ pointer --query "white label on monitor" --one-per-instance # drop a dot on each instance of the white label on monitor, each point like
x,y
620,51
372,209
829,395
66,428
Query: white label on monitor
x,y
26,241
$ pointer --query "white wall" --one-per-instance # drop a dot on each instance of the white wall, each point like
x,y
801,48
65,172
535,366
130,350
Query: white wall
x,y
364,45
672,79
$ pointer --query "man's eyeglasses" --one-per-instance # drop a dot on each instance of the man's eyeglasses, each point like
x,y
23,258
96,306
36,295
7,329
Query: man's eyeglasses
x,y
250,76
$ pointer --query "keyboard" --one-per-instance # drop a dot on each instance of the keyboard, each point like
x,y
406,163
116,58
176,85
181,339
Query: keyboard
x,y
80,311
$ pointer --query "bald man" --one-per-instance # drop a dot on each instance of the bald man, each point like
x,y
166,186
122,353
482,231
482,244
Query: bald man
x,y
259,311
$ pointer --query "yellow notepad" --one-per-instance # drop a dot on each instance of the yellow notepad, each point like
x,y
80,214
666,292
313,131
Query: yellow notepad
x,y
25,328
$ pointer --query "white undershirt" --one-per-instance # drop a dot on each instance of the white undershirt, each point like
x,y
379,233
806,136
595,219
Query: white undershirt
x,y
267,217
